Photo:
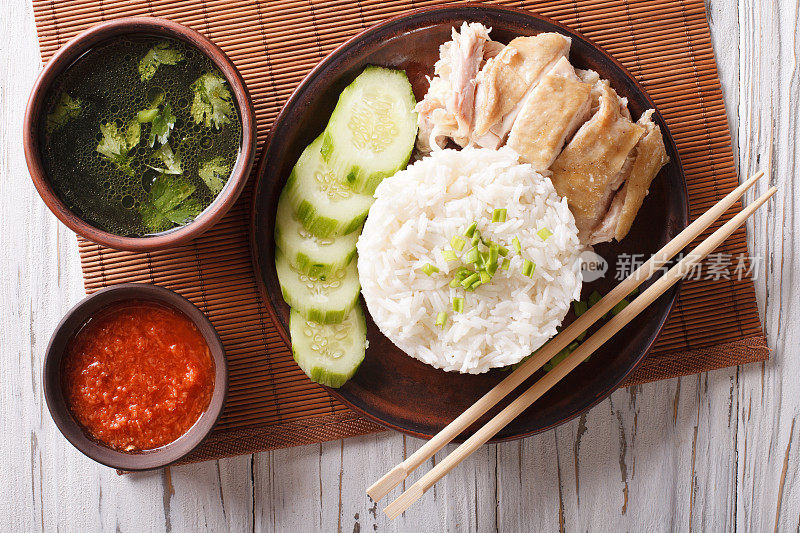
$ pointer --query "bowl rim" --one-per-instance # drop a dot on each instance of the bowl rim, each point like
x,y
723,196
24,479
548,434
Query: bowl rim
x,y
65,57
74,320
671,296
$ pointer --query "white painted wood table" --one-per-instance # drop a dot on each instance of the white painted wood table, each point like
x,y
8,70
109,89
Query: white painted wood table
x,y
717,451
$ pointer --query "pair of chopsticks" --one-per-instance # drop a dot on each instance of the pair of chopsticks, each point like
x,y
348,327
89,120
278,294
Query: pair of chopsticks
x,y
558,343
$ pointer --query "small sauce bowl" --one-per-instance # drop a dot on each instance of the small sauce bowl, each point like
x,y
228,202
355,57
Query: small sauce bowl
x,y
65,57
74,320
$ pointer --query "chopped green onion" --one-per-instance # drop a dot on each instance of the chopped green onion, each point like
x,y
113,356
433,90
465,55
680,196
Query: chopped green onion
x,y
471,229
544,233
475,285
476,238
471,256
491,269
505,265
458,304
469,280
485,276
594,298
499,215
517,245
429,269
580,307
527,267
454,283
449,255
494,253
502,250
622,304
441,319
572,346
462,273
457,243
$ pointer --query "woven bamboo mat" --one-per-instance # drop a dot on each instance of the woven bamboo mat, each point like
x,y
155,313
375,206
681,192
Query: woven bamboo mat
x,y
665,44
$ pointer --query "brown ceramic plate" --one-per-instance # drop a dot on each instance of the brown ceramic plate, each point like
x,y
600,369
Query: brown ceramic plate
x,y
391,388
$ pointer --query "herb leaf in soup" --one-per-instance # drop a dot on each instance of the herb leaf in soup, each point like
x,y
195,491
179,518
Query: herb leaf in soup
x,y
214,173
161,122
65,110
161,54
212,104
169,203
171,161
116,143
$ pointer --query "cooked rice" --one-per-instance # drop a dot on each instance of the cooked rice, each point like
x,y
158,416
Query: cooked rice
x,y
417,212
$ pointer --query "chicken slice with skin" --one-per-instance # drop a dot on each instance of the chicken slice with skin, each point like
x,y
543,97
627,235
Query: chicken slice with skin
x,y
590,169
647,159
506,79
448,109
551,113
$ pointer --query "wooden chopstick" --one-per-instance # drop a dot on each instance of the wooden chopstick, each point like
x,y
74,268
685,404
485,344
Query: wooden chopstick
x,y
391,479
573,359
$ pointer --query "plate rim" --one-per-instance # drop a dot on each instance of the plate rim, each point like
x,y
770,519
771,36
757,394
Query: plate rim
x,y
267,297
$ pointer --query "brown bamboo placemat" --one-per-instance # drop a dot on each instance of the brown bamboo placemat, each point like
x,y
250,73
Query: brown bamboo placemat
x,y
665,44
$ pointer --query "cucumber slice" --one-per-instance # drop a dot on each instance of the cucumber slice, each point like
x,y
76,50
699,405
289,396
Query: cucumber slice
x,y
311,255
329,354
372,130
322,202
325,300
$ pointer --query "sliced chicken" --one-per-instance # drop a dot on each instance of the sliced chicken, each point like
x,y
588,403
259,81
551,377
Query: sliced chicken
x,y
591,167
506,79
448,108
551,113
648,158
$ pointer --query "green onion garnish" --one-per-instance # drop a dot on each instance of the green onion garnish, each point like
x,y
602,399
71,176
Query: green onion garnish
x,y
475,285
499,215
527,267
572,346
441,319
622,304
485,277
469,280
471,229
458,304
544,233
505,264
580,307
494,253
502,250
449,255
471,256
454,283
594,298
457,243
491,269
517,245
429,269
476,238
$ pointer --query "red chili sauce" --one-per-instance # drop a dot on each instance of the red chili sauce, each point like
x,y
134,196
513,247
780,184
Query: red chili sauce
x,y
138,376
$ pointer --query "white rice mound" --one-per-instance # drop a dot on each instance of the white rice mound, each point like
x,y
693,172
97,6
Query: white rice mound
x,y
417,212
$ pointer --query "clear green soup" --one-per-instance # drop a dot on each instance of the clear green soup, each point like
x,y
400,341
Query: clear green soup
x,y
140,135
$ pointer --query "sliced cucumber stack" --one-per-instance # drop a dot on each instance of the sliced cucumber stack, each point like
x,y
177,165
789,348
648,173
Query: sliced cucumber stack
x,y
325,300
314,256
372,130
326,199
322,202
329,353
